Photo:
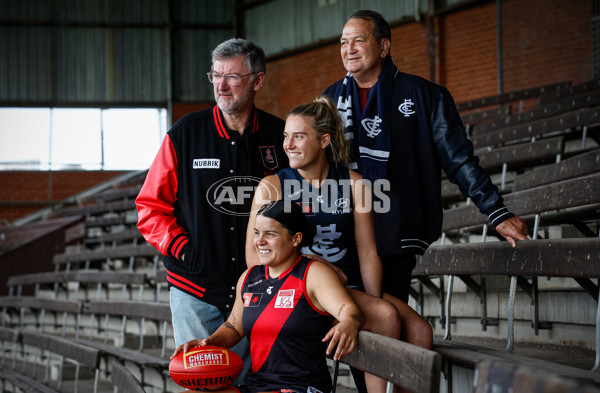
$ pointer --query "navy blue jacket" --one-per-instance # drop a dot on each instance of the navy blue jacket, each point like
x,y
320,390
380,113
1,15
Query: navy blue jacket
x,y
427,137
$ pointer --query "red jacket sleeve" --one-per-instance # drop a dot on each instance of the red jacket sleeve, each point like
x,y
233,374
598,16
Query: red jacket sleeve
x,y
155,204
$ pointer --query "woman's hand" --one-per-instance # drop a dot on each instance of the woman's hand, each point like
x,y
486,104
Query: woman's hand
x,y
191,344
344,335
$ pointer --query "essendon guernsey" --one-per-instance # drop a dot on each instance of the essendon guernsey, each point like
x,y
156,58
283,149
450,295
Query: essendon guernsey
x,y
285,331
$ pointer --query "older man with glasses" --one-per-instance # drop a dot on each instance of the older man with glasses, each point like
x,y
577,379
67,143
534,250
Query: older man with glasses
x,y
195,202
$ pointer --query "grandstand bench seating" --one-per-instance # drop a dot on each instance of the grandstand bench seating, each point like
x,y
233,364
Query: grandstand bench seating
x,y
81,354
41,306
403,364
513,157
62,278
124,380
585,100
506,375
563,124
114,194
504,98
484,116
563,193
574,192
143,312
105,256
95,209
569,91
575,258
582,164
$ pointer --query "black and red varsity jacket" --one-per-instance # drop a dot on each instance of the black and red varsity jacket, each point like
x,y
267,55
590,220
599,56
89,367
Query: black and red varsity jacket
x,y
197,196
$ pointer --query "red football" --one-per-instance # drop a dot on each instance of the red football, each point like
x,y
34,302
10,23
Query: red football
x,y
205,368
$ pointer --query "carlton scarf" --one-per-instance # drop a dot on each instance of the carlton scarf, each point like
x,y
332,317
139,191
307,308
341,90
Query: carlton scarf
x,y
372,129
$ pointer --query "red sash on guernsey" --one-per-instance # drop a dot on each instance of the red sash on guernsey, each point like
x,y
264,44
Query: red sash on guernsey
x,y
272,319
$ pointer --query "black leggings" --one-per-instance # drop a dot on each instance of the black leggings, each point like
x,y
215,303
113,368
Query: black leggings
x,y
397,274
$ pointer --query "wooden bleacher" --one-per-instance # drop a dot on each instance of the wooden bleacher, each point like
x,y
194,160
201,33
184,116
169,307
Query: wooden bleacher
x,y
569,104
400,363
570,124
546,161
508,376
35,242
509,158
80,280
23,354
124,380
40,350
99,293
107,257
511,97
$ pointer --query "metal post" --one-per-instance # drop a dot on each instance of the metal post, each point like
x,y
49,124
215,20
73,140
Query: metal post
x,y
499,46
535,299
336,366
482,287
510,346
448,336
596,367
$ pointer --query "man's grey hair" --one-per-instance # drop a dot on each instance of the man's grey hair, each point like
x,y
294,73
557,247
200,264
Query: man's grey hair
x,y
239,46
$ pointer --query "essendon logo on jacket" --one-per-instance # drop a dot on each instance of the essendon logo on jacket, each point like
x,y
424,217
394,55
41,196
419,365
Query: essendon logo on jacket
x,y
269,158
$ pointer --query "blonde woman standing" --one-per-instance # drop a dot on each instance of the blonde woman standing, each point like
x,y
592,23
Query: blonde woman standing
x,y
337,204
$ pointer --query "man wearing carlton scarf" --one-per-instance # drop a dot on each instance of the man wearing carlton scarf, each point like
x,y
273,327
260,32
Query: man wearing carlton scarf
x,y
405,130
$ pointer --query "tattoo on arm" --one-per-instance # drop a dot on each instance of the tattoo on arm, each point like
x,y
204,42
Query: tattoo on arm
x,y
340,310
228,325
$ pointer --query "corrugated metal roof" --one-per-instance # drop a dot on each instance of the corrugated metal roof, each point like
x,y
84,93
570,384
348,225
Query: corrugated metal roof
x,y
115,52
107,52
299,23
193,61
24,70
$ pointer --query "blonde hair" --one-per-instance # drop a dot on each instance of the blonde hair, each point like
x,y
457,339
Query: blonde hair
x,y
323,117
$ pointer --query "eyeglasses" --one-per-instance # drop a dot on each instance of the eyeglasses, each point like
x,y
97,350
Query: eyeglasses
x,y
231,79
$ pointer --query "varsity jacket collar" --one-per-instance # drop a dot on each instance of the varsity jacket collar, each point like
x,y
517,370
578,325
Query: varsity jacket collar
x,y
222,128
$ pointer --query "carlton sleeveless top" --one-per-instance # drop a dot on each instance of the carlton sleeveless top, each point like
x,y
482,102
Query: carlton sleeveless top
x,y
330,216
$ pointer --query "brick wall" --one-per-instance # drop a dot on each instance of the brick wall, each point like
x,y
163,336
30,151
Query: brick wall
x,y
24,192
546,47
538,48
299,78
466,48
180,109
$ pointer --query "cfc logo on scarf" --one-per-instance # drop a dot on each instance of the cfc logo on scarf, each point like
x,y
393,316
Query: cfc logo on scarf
x,y
372,126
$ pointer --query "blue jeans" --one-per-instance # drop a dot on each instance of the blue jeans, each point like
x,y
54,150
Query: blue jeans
x,y
194,319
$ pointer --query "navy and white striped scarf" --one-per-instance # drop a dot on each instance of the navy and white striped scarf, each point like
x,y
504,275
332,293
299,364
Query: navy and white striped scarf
x,y
371,136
